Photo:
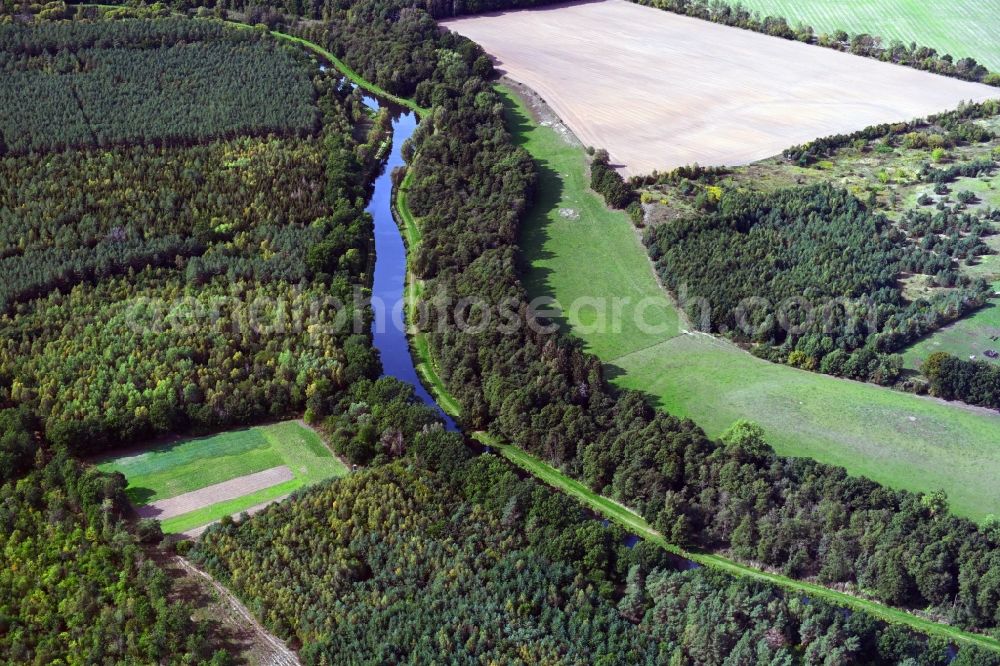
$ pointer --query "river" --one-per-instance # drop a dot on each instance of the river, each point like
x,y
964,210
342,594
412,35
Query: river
x,y
389,326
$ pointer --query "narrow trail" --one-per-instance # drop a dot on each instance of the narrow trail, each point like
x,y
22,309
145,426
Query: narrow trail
x,y
280,654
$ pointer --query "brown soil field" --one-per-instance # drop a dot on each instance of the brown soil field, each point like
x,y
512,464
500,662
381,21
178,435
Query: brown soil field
x,y
659,90
219,492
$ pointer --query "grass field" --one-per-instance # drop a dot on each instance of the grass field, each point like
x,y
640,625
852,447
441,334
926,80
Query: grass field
x,y
174,468
660,90
899,439
630,520
963,28
967,337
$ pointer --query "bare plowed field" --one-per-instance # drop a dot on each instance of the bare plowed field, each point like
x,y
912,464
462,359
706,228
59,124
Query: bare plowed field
x,y
659,90
219,492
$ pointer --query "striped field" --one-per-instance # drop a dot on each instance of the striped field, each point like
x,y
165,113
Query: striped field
x,y
180,468
963,28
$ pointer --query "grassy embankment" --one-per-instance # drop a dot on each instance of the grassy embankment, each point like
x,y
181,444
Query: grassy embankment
x,y
963,28
179,467
578,249
635,523
423,360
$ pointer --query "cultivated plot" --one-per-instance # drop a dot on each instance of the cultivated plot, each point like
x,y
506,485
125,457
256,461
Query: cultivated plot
x,y
190,483
659,90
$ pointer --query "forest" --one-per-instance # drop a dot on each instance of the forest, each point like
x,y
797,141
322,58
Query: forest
x,y
201,271
485,566
70,84
176,269
403,535
469,187
810,274
74,579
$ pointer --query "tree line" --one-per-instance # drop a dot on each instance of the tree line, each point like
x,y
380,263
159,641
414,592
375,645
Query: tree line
x,y
956,128
862,44
976,382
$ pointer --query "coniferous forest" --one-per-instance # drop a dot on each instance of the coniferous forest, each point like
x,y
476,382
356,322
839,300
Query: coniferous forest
x,y
130,247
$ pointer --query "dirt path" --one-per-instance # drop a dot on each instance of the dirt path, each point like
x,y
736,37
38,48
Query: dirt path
x,y
276,652
219,492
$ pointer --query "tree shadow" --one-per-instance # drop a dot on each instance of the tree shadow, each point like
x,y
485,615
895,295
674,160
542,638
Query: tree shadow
x,y
534,232
139,496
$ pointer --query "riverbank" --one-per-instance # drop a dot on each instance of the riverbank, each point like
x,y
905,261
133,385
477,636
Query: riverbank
x,y
419,345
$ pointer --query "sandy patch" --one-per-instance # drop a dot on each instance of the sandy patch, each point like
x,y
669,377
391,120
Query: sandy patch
x,y
659,90
219,492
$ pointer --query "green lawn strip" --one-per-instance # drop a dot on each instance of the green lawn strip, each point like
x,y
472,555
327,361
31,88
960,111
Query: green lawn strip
x,y
570,224
347,71
898,439
419,346
197,474
635,523
214,512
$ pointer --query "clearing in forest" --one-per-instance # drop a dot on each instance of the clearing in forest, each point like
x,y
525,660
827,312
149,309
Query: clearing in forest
x,y
659,90
192,482
898,439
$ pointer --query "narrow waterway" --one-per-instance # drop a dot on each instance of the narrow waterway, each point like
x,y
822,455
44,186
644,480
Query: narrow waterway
x,y
389,325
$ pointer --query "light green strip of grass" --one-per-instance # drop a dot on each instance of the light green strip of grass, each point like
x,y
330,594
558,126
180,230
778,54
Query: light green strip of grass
x,y
420,347
208,514
303,451
898,439
638,525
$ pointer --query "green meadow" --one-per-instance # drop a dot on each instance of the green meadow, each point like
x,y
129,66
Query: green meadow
x,y
578,249
970,336
963,28
173,468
